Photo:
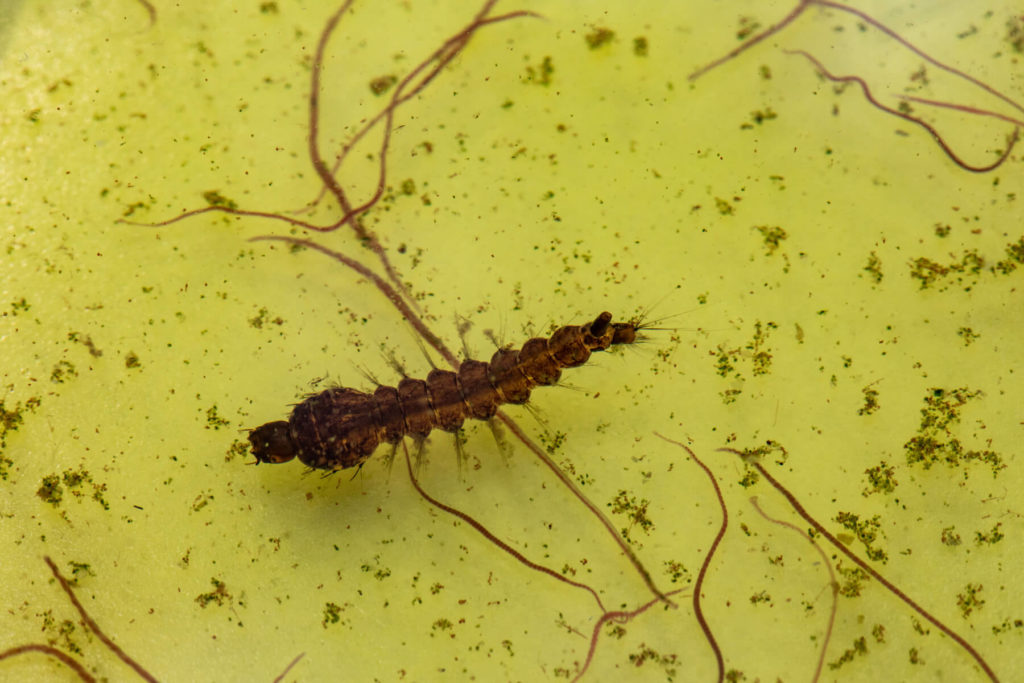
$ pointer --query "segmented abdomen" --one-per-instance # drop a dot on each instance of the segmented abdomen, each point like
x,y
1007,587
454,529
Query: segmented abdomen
x,y
341,427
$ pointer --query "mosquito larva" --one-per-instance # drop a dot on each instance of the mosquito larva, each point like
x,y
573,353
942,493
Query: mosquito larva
x,y
342,427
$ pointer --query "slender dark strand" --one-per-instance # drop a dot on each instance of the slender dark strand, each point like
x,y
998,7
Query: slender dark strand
x,y
907,117
95,628
917,51
288,668
751,42
596,511
52,652
965,108
494,539
150,11
621,617
833,584
868,568
697,610
393,296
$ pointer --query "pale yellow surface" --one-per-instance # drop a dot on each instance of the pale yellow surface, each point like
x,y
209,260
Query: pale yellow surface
x,y
617,186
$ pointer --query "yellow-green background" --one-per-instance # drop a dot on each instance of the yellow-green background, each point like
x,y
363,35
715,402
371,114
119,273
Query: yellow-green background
x,y
527,225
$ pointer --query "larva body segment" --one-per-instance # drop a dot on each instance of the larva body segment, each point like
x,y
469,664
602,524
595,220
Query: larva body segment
x,y
341,427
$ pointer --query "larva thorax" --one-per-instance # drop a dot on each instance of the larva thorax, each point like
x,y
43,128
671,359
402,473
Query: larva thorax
x,y
341,427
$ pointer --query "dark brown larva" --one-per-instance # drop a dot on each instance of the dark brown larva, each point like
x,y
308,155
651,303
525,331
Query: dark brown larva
x,y
341,428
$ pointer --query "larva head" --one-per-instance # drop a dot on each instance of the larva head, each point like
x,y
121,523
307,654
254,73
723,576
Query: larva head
x,y
272,443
